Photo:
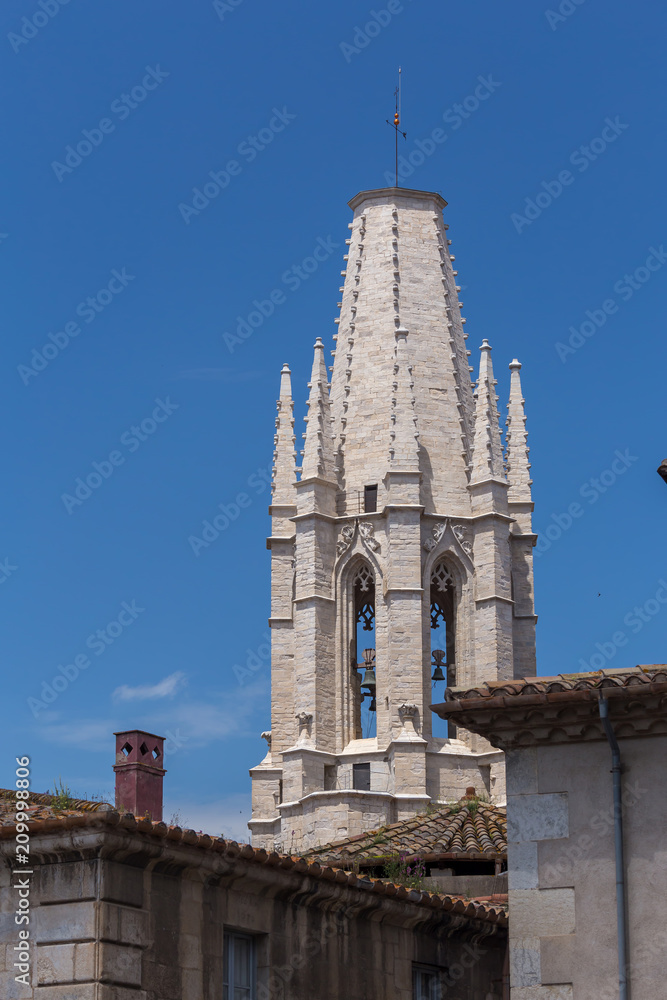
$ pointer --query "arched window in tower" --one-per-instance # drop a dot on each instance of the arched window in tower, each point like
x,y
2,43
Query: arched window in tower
x,y
363,659
443,637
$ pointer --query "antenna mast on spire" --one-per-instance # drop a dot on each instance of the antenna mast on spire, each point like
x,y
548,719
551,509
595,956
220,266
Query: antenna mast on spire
x,y
397,119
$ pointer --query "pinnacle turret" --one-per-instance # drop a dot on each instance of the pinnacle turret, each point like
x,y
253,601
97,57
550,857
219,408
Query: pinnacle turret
x,y
284,455
403,432
487,457
518,466
318,452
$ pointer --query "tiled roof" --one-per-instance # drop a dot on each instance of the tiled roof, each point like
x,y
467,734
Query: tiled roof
x,y
41,806
564,709
489,912
466,829
609,681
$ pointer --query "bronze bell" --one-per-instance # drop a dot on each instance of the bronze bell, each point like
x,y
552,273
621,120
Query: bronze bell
x,y
369,680
438,659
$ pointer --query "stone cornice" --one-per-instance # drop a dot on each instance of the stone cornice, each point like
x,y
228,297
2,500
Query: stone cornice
x,y
396,193
540,711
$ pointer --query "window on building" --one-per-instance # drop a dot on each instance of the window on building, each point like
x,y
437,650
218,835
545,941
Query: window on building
x,y
426,983
370,499
239,971
361,777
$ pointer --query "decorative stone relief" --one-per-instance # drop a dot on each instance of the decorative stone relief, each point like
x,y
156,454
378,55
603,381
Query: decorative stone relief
x,y
305,721
438,532
345,540
463,536
267,736
367,532
409,715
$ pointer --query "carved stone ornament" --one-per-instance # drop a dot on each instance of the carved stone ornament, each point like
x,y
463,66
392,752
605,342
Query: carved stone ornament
x,y
409,716
367,532
462,533
345,540
267,736
305,721
438,532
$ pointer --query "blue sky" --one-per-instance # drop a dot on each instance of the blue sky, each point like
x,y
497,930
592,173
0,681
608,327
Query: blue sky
x,y
286,103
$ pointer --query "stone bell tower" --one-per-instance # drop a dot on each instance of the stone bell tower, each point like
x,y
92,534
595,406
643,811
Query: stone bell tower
x,y
405,517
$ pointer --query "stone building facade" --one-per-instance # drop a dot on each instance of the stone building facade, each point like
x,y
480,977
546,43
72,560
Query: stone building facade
x,y
127,909
565,937
405,517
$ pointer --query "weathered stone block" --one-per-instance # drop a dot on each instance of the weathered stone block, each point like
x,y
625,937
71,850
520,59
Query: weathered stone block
x,y
120,964
66,881
525,962
537,817
121,883
541,912
522,865
65,922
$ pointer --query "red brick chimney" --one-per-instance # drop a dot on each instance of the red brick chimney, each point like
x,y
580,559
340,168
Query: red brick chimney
x,y
139,773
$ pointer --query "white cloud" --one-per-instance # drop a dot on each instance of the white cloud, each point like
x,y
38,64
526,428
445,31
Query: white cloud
x,y
164,689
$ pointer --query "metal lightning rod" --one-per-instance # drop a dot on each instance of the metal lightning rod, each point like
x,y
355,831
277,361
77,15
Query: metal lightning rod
x,y
397,119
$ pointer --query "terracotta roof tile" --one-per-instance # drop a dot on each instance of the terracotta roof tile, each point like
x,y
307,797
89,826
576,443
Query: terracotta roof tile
x,y
41,806
467,828
97,817
608,680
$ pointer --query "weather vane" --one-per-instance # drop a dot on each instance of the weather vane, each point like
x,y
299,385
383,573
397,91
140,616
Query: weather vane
x,y
397,119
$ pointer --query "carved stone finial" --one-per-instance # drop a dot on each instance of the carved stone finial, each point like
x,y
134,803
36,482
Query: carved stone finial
x,y
267,736
305,721
409,716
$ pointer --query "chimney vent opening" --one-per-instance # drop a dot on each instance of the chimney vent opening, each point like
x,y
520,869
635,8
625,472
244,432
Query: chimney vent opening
x,y
144,749
126,749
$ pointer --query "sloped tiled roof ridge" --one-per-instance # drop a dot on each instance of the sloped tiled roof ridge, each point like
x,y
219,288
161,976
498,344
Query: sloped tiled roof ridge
x,y
595,680
45,805
470,828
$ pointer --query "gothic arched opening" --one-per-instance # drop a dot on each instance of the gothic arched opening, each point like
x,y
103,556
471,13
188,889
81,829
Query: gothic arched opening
x,y
443,630
363,652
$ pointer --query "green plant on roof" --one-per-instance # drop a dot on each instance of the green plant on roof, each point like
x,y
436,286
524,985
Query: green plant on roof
x,y
61,796
403,871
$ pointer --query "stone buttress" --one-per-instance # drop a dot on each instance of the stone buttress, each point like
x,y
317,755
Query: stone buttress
x,y
406,516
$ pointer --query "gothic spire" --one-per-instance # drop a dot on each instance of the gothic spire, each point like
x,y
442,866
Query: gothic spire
x,y
318,452
284,455
518,466
403,433
487,456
